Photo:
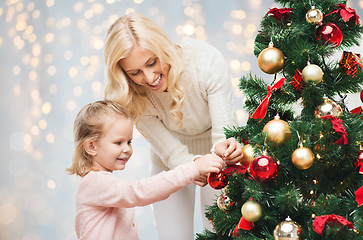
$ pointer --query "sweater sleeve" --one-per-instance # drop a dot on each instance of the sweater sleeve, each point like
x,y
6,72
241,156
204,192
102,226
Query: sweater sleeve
x,y
103,189
219,92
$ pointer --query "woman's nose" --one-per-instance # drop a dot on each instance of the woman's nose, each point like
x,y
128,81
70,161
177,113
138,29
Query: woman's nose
x,y
149,76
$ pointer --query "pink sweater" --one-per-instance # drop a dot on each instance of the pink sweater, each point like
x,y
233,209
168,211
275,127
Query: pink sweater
x,y
105,202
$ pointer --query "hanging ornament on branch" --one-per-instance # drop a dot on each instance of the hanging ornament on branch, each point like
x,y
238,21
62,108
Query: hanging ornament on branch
x,y
271,60
218,180
251,211
302,158
287,230
359,162
263,168
247,155
278,131
329,33
314,16
296,80
328,107
312,74
224,202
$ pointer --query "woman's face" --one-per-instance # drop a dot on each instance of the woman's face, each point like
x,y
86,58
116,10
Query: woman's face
x,y
144,68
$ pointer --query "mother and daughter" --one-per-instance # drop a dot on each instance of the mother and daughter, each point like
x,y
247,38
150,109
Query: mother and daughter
x,y
180,98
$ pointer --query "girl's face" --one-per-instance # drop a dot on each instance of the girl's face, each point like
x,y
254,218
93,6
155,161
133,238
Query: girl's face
x,y
144,68
113,149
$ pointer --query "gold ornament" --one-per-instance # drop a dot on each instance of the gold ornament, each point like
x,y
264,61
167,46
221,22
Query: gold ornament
x,y
312,74
287,230
302,158
271,60
251,211
278,131
314,16
224,202
248,154
328,107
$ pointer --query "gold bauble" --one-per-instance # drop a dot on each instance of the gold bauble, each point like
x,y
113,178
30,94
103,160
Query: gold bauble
x,y
251,211
278,131
271,60
328,107
302,158
287,230
312,74
247,154
314,16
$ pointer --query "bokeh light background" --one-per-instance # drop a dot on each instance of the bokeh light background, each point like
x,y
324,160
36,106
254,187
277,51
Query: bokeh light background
x,y
51,65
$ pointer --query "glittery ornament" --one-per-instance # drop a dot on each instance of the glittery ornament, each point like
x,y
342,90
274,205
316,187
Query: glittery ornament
x,y
328,107
263,168
287,230
218,180
224,202
329,33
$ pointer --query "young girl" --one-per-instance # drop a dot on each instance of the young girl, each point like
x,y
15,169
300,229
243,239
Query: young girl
x,y
104,202
181,98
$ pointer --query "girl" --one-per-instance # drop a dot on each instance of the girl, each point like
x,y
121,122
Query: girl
x,y
102,135
180,97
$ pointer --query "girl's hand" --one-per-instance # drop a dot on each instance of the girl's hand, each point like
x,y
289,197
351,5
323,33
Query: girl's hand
x,y
230,150
205,165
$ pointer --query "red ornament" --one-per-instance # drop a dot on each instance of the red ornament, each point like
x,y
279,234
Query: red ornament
x,y
218,180
321,221
350,63
263,167
361,95
238,169
359,162
346,13
329,33
296,80
280,13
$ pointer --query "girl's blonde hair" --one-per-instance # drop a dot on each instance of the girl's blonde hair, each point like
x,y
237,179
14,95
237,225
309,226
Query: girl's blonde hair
x,y
89,125
124,34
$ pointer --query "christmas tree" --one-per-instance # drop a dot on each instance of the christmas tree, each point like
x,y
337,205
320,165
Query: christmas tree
x,y
301,173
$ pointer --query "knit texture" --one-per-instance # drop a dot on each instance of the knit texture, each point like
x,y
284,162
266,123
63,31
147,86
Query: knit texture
x,y
207,109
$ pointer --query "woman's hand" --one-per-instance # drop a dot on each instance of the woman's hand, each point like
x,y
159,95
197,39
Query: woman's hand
x,y
229,150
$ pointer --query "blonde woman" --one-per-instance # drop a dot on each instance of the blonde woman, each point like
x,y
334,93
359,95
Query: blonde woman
x,y
181,98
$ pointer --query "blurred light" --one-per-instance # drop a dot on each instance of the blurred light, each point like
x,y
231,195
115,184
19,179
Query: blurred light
x,y
8,214
53,89
241,115
138,1
246,66
30,6
42,124
97,43
50,138
50,22
16,90
235,64
68,55
238,14
73,72
51,184
1,41
110,1
129,10
16,70
84,60
20,26
237,29
36,50
34,130
49,37
34,62
52,70
188,29
188,11
97,8
33,75
50,3
47,107
71,105
36,14
77,91
97,86
78,6
88,14
48,58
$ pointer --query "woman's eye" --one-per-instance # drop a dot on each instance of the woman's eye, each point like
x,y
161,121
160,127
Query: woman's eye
x,y
135,73
153,62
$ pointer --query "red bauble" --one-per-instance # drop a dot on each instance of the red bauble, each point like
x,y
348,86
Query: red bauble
x,y
329,33
263,168
359,162
218,180
361,95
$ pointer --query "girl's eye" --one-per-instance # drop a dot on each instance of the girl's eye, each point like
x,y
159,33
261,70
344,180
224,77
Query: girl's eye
x,y
118,143
129,142
135,73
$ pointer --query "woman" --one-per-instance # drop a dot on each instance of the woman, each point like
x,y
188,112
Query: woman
x,y
180,97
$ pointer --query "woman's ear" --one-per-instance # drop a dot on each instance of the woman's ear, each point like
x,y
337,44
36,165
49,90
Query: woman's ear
x,y
89,147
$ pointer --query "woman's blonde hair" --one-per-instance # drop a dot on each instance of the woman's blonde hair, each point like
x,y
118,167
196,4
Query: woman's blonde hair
x,y
89,125
124,34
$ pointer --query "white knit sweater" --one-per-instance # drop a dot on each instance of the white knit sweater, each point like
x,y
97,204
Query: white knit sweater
x,y
207,108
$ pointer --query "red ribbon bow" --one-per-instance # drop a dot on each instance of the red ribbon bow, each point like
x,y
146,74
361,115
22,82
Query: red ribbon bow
x,y
243,224
359,196
280,13
339,128
261,111
357,110
319,222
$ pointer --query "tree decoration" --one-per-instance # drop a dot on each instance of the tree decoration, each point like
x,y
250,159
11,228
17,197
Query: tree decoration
x,y
280,14
339,128
263,168
350,63
359,161
302,158
346,13
287,230
224,202
261,110
357,111
218,180
271,60
238,169
312,73
320,222
361,95
328,107
329,33
247,154
296,80
278,131
359,196
314,16
251,211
